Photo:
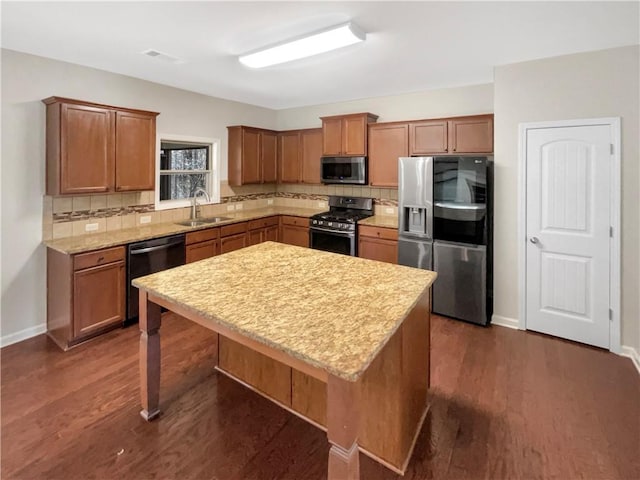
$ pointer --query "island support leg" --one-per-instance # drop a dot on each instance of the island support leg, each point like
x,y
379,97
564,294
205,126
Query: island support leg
x,y
343,422
149,357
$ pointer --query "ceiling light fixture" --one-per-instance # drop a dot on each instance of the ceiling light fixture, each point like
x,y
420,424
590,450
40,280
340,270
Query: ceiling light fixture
x,y
306,46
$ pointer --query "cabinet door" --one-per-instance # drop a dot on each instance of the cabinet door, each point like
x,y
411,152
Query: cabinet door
x,y
332,136
135,151
255,236
386,144
295,235
233,242
428,137
378,249
289,157
311,151
269,158
471,135
271,234
200,251
250,156
354,135
98,297
86,149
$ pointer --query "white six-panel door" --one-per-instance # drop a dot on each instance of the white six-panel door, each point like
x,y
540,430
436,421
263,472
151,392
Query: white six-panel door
x,y
568,219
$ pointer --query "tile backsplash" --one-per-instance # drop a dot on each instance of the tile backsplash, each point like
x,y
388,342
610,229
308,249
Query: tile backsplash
x,y
69,215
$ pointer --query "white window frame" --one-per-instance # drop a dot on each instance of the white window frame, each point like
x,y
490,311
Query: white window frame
x,y
213,184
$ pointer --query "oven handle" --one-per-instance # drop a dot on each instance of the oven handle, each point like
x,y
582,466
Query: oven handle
x,y
333,232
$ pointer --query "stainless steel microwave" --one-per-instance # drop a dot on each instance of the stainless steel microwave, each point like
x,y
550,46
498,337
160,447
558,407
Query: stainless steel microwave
x,y
345,170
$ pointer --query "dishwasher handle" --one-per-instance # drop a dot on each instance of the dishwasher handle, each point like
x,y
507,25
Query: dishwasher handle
x,y
153,249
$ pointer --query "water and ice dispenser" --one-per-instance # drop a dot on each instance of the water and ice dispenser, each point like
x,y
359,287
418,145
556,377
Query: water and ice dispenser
x,y
415,220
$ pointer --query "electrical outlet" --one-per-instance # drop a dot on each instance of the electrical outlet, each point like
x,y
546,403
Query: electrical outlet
x,y
230,208
322,204
388,211
91,227
238,206
269,201
145,219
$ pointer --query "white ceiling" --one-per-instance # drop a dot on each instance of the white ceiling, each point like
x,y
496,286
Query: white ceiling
x,y
410,47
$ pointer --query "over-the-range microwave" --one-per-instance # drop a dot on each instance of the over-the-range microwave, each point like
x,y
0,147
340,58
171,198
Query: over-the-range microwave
x,y
344,170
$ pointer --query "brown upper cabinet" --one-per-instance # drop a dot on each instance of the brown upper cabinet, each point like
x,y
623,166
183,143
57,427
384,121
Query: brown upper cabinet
x,y
252,155
299,153
289,156
346,135
93,148
387,142
450,136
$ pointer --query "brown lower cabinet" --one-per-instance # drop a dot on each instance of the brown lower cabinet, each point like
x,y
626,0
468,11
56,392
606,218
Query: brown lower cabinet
x,y
263,230
265,374
294,231
202,244
376,243
394,385
233,237
85,294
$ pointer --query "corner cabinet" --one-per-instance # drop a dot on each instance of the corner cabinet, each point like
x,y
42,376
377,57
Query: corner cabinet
x,y
451,136
252,155
93,148
346,135
85,294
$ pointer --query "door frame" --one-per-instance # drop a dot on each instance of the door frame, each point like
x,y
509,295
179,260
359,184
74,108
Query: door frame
x,y
614,241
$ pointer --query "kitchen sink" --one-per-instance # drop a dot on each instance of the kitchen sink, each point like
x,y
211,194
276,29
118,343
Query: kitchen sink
x,y
202,221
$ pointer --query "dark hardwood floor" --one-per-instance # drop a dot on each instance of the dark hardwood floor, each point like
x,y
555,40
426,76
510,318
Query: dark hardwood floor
x,y
505,404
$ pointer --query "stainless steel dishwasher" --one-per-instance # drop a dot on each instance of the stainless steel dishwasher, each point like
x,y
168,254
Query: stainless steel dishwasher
x,y
150,256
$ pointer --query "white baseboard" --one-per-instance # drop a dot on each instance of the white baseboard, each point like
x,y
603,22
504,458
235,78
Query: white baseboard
x,y
505,322
22,335
632,353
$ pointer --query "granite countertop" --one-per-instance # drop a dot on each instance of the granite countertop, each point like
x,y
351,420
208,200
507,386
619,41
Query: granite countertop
x,y
386,221
334,312
86,243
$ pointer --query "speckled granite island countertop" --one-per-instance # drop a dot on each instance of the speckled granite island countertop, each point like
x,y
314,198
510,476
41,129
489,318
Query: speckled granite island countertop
x,y
86,243
331,311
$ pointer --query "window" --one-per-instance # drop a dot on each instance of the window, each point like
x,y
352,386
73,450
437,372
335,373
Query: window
x,y
184,165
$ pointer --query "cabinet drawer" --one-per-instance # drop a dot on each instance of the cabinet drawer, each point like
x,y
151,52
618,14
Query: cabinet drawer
x,y
263,222
234,229
297,221
202,235
98,257
377,232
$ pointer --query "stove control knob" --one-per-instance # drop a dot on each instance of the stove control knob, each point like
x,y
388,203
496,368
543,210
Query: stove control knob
x,y
330,224
315,221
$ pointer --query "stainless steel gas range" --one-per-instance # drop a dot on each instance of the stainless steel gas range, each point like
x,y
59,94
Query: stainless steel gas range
x,y
337,230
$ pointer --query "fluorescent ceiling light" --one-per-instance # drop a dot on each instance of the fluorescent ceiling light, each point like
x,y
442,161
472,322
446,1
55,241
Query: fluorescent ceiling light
x,y
307,46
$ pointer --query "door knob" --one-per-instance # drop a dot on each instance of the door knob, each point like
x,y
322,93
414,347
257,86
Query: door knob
x,y
534,240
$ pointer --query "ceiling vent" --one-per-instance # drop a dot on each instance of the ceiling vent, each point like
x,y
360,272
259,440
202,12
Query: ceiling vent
x,y
161,56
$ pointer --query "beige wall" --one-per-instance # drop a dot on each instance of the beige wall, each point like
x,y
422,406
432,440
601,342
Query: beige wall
x,y
26,80
444,102
588,85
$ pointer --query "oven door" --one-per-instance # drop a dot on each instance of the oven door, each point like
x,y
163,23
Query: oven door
x,y
332,241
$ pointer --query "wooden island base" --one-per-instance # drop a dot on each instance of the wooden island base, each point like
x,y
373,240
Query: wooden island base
x,y
379,414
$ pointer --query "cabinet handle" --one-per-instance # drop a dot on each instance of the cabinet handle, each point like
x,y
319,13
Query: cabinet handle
x,y
99,259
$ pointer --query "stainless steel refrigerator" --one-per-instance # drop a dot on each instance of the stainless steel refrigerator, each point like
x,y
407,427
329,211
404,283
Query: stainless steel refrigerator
x,y
445,225
415,209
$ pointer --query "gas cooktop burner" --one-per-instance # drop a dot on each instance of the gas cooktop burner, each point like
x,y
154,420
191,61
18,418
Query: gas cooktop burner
x,y
344,213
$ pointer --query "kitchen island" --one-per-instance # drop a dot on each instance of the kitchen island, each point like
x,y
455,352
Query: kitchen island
x,y
341,341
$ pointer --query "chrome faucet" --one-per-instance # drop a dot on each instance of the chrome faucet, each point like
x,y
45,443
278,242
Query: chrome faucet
x,y
194,202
